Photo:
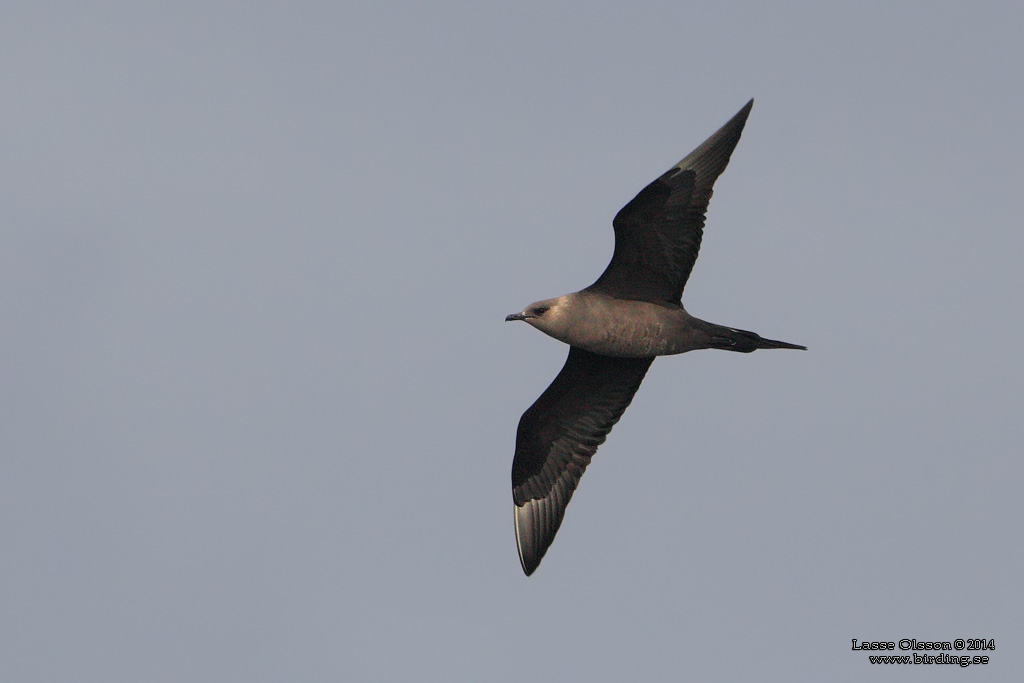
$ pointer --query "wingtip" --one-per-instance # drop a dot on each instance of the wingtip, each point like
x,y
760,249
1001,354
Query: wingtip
x,y
711,157
527,557
742,114
739,120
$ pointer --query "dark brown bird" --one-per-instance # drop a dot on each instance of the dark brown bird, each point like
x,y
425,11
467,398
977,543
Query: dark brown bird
x,y
615,328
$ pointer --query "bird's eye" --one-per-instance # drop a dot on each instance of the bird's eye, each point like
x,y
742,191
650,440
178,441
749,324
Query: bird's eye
x,y
540,310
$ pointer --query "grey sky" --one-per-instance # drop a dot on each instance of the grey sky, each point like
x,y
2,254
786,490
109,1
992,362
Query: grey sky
x,y
259,401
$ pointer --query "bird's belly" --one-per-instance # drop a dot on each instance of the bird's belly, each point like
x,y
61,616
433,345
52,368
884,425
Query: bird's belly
x,y
641,334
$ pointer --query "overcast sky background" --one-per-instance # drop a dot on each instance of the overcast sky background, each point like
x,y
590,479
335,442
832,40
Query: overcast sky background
x,y
259,402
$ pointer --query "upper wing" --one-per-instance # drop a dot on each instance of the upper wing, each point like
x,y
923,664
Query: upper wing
x,y
557,437
657,235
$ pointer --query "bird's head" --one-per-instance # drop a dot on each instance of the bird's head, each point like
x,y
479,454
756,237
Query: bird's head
x,y
541,314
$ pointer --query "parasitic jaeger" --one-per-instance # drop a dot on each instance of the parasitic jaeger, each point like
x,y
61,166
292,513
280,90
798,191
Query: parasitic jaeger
x,y
615,328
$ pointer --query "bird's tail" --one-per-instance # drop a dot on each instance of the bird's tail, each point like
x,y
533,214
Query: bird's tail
x,y
730,339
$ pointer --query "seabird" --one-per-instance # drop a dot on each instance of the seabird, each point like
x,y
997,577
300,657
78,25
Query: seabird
x,y
615,328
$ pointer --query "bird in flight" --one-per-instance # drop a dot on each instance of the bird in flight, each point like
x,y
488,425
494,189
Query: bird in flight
x,y
615,328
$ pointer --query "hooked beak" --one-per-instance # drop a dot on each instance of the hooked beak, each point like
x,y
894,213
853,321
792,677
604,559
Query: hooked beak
x,y
517,316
